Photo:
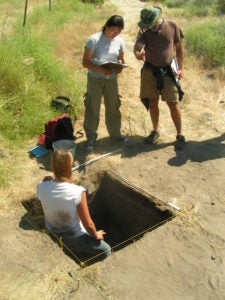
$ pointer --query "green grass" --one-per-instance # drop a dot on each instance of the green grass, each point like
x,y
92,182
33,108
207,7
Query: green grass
x,y
31,73
12,4
26,89
190,8
207,40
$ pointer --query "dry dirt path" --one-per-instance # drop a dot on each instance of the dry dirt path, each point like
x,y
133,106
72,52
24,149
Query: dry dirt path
x,y
183,259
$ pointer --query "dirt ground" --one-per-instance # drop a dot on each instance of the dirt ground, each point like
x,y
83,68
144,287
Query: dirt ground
x,y
184,258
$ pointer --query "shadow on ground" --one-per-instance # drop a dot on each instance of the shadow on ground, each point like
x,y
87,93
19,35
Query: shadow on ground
x,y
200,151
195,151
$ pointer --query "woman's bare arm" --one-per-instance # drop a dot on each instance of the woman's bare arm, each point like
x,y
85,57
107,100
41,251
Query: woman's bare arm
x,y
86,219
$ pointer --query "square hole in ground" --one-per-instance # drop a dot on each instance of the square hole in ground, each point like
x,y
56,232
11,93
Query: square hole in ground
x,y
125,211
119,207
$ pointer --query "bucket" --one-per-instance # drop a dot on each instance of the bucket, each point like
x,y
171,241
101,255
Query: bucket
x,y
65,144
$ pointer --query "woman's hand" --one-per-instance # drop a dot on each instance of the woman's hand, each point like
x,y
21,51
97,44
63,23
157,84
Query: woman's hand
x,y
119,70
106,71
48,177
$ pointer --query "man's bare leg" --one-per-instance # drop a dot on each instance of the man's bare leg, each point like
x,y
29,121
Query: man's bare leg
x,y
175,112
154,113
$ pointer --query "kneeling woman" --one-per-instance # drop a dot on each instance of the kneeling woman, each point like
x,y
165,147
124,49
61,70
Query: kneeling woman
x,y
66,210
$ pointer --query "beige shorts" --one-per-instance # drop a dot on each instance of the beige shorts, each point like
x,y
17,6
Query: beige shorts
x,y
149,89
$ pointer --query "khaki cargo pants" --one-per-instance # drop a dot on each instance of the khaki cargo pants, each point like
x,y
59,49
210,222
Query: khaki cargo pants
x,y
96,88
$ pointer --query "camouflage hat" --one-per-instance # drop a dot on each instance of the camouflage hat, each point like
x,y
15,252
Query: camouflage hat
x,y
149,17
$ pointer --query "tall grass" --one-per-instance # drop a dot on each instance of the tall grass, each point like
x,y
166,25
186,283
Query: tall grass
x,y
190,8
29,76
207,40
31,73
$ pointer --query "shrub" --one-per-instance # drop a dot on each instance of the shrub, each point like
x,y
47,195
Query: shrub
x,y
220,6
98,2
175,3
207,39
197,8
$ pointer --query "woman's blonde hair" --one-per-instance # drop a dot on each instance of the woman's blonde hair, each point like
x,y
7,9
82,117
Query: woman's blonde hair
x,y
61,164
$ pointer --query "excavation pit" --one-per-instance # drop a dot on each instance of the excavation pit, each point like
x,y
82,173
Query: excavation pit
x,y
124,211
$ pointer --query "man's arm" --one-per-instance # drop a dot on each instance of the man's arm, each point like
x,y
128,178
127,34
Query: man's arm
x,y
139,46
140,54
180,56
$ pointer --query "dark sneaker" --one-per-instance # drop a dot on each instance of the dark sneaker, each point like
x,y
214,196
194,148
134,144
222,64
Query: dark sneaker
x,y
123,138
90,146
180,142
152,138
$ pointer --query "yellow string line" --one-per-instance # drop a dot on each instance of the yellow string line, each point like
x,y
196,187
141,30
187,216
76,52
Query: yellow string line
x,y
144,231
131,238
84,264
61,244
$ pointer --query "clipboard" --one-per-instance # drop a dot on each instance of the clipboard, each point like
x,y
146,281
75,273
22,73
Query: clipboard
x,y
113,65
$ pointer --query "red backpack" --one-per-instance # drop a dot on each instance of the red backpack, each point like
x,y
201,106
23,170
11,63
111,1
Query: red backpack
x,y
57,128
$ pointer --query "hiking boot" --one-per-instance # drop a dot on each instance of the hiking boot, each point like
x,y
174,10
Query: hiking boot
x,y
152,138
90,146
180,142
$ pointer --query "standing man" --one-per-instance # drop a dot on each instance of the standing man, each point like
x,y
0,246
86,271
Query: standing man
x,y
158,42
